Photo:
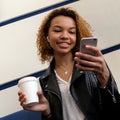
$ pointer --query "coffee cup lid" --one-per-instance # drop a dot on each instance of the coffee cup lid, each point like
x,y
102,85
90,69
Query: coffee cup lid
x,y
25,79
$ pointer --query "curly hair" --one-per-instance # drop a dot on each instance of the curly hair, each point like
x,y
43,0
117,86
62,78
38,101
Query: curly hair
x,y
83,29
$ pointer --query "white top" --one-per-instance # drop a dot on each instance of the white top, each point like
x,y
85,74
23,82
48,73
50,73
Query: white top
x,y
70,108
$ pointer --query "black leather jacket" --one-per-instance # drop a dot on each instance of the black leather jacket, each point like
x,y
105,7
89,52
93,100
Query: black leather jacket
x,y
94,102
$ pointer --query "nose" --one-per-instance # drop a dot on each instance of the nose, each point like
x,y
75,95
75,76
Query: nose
x,y
64,35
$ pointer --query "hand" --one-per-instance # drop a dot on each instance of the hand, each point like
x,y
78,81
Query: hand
x,y
42,106
94,63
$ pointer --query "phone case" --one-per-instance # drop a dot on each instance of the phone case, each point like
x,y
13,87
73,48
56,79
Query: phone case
x,y
87,41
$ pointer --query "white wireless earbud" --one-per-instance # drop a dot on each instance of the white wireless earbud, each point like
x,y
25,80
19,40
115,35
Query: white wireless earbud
x,y
48,39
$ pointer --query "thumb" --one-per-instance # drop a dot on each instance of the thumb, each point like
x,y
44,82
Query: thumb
x,y
41,96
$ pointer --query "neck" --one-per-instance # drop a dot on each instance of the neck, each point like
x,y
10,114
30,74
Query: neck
x,y
64,67
64,60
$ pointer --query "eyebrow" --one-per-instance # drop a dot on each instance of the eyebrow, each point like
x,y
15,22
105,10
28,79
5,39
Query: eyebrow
x,y
57,26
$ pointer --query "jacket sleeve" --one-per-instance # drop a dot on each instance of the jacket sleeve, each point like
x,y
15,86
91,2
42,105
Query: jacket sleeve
x,y
110,92
110,100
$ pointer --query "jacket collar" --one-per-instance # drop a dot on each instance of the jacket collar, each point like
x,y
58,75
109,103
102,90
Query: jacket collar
x,y
51,75
50,81
76,73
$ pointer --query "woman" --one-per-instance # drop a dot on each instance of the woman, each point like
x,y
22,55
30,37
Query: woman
x,y
76,86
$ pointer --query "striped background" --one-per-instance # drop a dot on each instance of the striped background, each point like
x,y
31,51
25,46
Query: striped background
x,y
19,24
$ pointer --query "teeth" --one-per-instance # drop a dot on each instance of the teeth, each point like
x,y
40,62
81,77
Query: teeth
x,y
63,43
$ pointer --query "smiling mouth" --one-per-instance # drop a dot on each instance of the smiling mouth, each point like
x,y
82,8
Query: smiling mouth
x,y
63,44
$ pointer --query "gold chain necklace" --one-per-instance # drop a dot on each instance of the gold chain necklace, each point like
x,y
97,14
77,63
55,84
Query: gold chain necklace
x,y
65,71
63,68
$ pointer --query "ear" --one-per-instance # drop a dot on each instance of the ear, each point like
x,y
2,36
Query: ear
x,y
48,39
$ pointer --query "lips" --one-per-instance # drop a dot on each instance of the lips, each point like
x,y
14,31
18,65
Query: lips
x,y
63,44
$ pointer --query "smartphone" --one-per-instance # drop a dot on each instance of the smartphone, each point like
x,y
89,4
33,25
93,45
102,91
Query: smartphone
x,y
87,41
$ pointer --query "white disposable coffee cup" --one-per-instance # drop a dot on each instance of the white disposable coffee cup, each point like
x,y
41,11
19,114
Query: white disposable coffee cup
x,y
29,85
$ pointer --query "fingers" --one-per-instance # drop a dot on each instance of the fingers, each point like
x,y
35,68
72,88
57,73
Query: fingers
x,y
94,50
22,98
89,62
85,59
95,64
42,106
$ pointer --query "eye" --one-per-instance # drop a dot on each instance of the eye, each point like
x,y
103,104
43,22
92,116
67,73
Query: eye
x,y
72,32
57,30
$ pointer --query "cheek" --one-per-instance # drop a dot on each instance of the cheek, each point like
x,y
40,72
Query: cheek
x,y
74,41
53,37
52,42
74,44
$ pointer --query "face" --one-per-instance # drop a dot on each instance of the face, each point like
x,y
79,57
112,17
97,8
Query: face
x,y
62,34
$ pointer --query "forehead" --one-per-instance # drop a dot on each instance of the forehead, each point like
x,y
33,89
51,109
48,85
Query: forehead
x,y
63,20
